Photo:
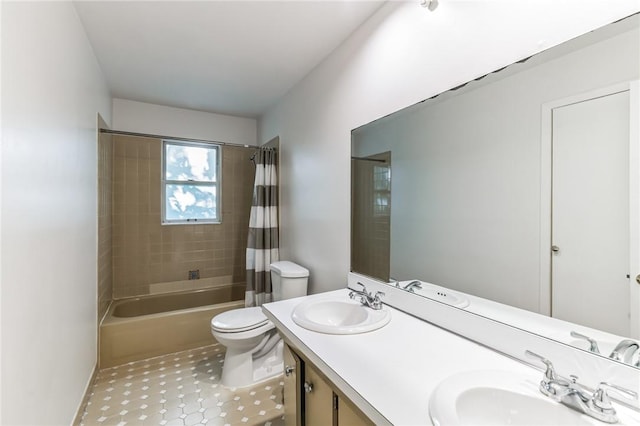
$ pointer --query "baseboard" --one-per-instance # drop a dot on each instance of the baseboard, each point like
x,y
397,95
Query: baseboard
x,y
87,394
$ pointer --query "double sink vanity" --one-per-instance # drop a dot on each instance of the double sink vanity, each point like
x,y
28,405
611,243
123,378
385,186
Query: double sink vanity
x,y
352,360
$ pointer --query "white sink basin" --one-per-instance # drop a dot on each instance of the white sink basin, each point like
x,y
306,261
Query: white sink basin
x,y
443,295
333,316
501,398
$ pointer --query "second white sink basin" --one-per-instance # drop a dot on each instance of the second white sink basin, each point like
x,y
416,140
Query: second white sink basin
x,y
334,316
500,398
444,295
434,292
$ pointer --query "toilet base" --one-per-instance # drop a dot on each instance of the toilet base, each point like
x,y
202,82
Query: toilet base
x,y
241,369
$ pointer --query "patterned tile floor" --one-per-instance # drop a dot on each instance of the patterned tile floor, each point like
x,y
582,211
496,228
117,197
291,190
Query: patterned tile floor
x,y
180,389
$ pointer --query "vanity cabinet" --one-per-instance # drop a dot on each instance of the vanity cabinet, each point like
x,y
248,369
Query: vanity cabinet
x,y
319,407
292,382
310,399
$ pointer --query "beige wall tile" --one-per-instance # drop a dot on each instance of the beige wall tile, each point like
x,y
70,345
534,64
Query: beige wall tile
x,y
144,251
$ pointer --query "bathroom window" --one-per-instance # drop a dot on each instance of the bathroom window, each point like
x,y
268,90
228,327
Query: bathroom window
x,y
190,182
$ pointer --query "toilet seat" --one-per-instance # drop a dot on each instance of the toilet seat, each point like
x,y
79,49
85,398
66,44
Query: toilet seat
x,y
240,320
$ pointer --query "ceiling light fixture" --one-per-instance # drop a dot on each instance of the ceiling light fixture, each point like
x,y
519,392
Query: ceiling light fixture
x,y
429,4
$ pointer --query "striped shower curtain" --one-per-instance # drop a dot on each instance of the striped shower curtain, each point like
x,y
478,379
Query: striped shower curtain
x,y
262,243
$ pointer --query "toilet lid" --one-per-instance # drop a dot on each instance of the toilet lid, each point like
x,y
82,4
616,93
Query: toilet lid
x,y
238,320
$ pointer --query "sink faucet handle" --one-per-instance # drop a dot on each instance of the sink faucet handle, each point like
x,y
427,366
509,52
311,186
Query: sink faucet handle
x,y
353,293
552,385
593,345
600,400
375,302
550,373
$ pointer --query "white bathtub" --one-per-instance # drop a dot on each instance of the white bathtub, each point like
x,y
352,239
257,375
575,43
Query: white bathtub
x,y
143,327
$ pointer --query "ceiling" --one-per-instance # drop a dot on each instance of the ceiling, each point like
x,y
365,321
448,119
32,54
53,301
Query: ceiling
x,y
228,57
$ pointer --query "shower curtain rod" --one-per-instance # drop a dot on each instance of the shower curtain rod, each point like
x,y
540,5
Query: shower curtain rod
x,y
375,160
146,135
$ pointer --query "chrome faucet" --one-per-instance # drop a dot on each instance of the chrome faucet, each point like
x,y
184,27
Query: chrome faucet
x,y
413,284
366,298
624,352
597,405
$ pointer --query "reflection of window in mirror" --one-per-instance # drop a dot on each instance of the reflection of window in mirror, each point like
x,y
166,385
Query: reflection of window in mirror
x,y
381,190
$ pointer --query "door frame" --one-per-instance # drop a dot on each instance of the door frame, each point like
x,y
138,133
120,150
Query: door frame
x,y
633,87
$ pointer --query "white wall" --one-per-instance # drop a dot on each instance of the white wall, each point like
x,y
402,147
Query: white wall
x,y
52,90
1,139
402,55
161,120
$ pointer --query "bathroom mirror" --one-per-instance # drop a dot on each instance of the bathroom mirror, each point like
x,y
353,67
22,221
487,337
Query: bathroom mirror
x,y
492,188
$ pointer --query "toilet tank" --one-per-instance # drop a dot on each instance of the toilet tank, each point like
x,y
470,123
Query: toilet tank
x,y
288,280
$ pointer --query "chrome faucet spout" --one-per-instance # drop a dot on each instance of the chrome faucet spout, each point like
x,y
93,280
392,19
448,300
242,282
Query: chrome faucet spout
x,y
413,284
576,397
625,350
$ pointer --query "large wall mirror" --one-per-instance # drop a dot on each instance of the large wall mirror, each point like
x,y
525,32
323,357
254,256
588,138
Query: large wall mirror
x,y
517,193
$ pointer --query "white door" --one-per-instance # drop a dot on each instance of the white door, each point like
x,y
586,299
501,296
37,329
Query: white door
x,y
590,213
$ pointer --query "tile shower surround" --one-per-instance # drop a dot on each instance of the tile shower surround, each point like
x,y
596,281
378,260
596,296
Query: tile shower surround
x,y
180,389
146,252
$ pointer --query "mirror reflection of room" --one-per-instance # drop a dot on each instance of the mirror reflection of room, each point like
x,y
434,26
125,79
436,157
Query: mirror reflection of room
x,y
516,191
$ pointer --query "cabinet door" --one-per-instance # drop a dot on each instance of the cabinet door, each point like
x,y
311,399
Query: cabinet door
x,y
349,415
318,398
292,385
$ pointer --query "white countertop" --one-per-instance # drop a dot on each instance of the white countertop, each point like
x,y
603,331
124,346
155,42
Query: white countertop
x,y
391,372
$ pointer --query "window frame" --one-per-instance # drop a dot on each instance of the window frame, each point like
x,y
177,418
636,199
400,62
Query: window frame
x,y
381,210
217,184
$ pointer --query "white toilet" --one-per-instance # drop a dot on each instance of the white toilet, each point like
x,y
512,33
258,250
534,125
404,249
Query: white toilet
x,y
254,349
